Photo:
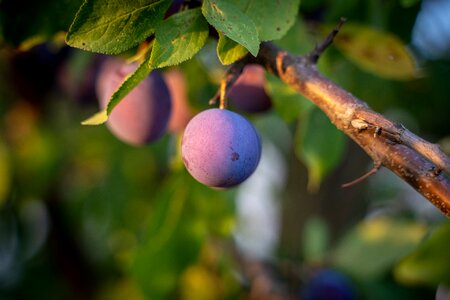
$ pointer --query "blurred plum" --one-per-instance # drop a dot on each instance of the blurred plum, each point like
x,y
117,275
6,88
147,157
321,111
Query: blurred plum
x,y
143,115
248,93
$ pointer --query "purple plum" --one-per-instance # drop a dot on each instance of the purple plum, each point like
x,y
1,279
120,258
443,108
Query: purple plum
x,y
248,93
220,148
181,112
142,116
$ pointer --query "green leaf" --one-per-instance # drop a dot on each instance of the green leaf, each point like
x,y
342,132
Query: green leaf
x,y
231,21
272,18
429,263
228,50
372,248
113,26
129,83
319,145
179,38
377,52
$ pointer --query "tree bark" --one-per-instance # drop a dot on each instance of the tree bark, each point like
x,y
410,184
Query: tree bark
x,y
419,163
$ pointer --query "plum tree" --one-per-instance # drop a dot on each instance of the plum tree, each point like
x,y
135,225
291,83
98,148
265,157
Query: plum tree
x,y
248,93
220,148
142,116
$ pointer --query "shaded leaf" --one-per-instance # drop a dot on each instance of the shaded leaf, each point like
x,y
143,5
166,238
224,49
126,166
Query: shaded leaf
x,y
319,145
272,18
231,21
377,52
179,38
371,249
111,27
429,263
228,50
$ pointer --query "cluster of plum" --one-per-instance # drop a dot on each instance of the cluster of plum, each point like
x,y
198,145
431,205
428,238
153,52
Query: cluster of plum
x,y
220,148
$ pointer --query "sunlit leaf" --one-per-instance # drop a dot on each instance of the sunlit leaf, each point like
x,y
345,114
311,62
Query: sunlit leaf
x,y
319,145
380,53
429,263
232,22
228,50
272,18
97,119
179,38
113,26
372,248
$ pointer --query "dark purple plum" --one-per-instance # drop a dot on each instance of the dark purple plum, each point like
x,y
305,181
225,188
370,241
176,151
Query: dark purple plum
x,y
248,93
220,148
174,8
328,284
142,116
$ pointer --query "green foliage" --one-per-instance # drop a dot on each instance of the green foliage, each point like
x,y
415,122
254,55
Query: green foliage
x,y
286,101
371,249
232,22
315,239
32,22
5,173
112,27
179,38
428,263
319,145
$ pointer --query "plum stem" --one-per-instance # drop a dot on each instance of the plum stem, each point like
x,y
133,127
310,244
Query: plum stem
x,y
222,97
229,78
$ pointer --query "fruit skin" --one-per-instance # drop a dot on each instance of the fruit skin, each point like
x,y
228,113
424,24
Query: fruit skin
x,y
142,116
220,148
181,112
248,93
328,284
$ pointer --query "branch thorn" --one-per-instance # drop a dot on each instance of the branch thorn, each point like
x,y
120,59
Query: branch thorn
x,y
314,55
375,168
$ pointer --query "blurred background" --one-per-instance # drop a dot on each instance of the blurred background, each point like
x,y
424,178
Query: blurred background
x,y
86,216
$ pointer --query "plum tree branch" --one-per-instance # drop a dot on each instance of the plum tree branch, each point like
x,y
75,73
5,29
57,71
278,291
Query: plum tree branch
x,y
389,144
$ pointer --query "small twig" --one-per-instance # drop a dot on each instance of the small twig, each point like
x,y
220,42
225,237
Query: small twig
x,y
399,134
313,57
230,77
375,168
